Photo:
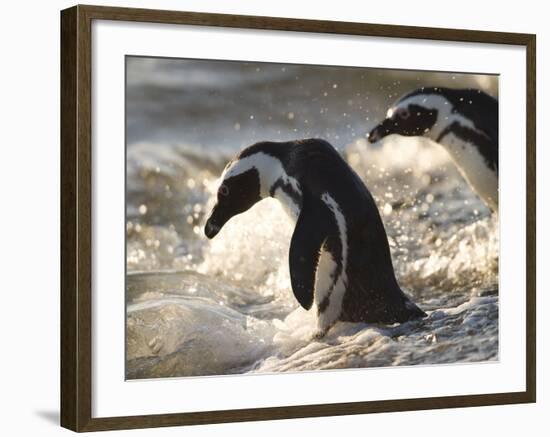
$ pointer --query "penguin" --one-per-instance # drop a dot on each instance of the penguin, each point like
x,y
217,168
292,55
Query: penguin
x,y
339,257
463,121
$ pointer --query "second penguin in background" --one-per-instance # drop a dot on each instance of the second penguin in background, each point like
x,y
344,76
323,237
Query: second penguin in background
x,y
463,121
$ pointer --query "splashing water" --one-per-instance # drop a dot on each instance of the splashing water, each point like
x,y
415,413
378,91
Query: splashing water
x,y
225,306
199,307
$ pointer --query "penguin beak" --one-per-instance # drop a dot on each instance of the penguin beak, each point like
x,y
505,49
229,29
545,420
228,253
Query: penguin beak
x,y
211,229
214,223
380,131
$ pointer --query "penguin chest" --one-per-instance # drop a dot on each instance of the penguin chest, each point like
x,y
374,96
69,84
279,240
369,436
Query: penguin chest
x,y
325,278
289,201
331,275
330,288
474,168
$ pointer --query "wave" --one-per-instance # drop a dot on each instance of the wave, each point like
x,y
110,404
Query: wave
x,y
200,307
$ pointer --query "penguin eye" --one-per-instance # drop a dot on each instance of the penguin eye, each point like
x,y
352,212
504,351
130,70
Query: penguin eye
x,y
403,113
223,190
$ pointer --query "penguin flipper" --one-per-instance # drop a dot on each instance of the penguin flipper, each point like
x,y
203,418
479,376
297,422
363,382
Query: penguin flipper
x,y
305,247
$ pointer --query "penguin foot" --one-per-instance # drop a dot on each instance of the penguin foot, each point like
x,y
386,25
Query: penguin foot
x,y
319,334
322,331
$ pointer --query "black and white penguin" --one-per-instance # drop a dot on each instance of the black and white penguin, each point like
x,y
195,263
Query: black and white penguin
x,y
464,121
339,254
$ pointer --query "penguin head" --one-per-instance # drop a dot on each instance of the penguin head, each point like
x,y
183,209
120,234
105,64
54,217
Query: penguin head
x,y
238,191
247,179
412,115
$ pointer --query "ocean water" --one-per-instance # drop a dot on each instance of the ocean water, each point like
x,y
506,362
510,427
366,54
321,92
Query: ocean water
x,y
225,306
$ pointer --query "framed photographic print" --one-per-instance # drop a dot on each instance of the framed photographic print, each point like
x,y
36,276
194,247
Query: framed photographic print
x,y
267,218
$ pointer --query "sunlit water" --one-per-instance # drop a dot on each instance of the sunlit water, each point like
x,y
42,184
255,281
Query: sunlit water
x,y
201,307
